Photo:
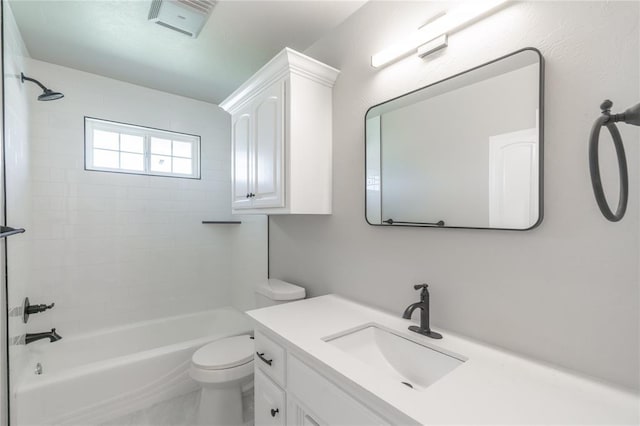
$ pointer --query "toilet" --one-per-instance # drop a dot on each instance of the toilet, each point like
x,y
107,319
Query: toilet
x,y
224,368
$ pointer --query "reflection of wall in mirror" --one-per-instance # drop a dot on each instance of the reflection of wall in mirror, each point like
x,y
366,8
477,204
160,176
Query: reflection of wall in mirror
x,y
435,152
374,206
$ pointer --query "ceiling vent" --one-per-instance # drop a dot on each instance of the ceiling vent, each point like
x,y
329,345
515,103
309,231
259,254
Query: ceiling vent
x,y
184,16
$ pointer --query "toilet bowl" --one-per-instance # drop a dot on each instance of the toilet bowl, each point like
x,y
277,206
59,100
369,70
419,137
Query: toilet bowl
x,y
224,367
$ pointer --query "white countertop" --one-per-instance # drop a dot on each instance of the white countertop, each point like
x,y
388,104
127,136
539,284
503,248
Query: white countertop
x,y
491,387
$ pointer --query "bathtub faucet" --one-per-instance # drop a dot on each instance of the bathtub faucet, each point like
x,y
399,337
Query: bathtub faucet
x,y
51,335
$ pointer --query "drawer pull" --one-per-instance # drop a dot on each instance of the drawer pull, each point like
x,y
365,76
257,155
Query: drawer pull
x,y
274,412
261,356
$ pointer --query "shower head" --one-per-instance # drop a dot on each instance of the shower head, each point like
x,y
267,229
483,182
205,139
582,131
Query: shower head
x,y
50,95
47,94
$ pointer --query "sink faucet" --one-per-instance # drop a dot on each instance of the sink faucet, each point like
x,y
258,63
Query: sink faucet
x,y
51,335
423,305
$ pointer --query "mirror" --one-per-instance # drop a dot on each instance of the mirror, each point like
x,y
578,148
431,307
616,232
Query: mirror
x,y
464,152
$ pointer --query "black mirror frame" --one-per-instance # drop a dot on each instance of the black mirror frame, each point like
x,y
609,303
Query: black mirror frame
x,y
540,149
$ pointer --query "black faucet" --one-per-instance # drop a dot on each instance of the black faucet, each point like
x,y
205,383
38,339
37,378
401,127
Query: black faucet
x,y
423,305
51,335
29,309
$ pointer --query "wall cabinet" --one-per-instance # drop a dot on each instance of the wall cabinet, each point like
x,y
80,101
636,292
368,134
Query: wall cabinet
x,y
257,151
290,392
281,136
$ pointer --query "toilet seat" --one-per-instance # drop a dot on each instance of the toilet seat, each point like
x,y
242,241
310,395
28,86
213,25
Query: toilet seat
x,y
224,353
224,361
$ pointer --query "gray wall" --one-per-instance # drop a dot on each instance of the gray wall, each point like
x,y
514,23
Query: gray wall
x,y
564,293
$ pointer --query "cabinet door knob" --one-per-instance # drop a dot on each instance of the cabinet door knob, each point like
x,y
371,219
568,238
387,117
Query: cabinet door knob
x,y
252,195
274,412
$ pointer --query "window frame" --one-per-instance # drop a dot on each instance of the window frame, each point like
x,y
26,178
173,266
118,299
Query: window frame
x,y
91,123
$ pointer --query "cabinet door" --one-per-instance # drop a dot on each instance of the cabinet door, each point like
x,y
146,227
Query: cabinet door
x,y
241,161
315,392
268,178
269,400
298,414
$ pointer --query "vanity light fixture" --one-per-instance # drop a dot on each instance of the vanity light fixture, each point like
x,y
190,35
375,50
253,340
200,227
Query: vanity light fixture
x,y
432,32
433,46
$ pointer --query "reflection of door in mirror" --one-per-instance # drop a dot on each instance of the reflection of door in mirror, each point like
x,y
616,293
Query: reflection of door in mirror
x,y
513,179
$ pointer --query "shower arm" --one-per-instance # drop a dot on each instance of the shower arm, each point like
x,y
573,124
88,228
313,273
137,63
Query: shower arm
x,y
33,80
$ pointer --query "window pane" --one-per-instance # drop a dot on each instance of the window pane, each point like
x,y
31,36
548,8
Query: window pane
x,y
132,161
160,146
182,149
131,143
106,140
126,148
182,166
102,158
160,163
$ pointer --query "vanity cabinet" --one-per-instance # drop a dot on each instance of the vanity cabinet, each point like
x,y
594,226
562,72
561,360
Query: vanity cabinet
x,y
339,370
269,400
288,391
281,136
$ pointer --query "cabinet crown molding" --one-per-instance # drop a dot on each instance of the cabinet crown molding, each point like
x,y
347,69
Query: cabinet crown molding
x,y
288,61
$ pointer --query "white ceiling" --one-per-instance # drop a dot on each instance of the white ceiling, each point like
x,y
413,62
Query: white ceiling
x,y
114,39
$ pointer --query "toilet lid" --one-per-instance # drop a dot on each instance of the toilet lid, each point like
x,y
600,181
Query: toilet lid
x,y
224,353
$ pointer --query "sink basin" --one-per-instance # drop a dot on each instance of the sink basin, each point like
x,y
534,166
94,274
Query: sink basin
x,y
411,363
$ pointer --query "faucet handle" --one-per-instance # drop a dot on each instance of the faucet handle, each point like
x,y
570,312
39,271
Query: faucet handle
x,y
424,294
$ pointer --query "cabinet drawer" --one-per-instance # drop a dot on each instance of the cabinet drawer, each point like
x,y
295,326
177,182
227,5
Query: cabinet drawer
x,y
322,396
270,357
269,401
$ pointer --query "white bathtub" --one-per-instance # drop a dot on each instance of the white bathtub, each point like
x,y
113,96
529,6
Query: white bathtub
x,y
92,378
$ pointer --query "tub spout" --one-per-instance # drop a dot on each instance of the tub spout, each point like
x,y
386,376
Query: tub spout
x,y
51,335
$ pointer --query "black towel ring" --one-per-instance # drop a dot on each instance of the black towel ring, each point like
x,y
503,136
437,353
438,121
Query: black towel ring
x,y
608,120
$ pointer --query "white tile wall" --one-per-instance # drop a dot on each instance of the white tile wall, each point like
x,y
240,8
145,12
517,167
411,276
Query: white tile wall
x,y
115,248
108,248
18,156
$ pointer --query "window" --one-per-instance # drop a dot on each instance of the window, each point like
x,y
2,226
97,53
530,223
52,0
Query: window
x,y
125,148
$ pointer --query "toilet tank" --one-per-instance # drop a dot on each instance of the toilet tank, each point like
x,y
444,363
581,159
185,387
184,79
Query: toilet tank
x,y
276,292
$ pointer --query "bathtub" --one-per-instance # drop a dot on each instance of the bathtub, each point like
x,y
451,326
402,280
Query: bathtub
x,y
92,378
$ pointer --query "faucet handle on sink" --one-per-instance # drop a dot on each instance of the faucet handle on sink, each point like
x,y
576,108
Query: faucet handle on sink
x,y
424,294
423,305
